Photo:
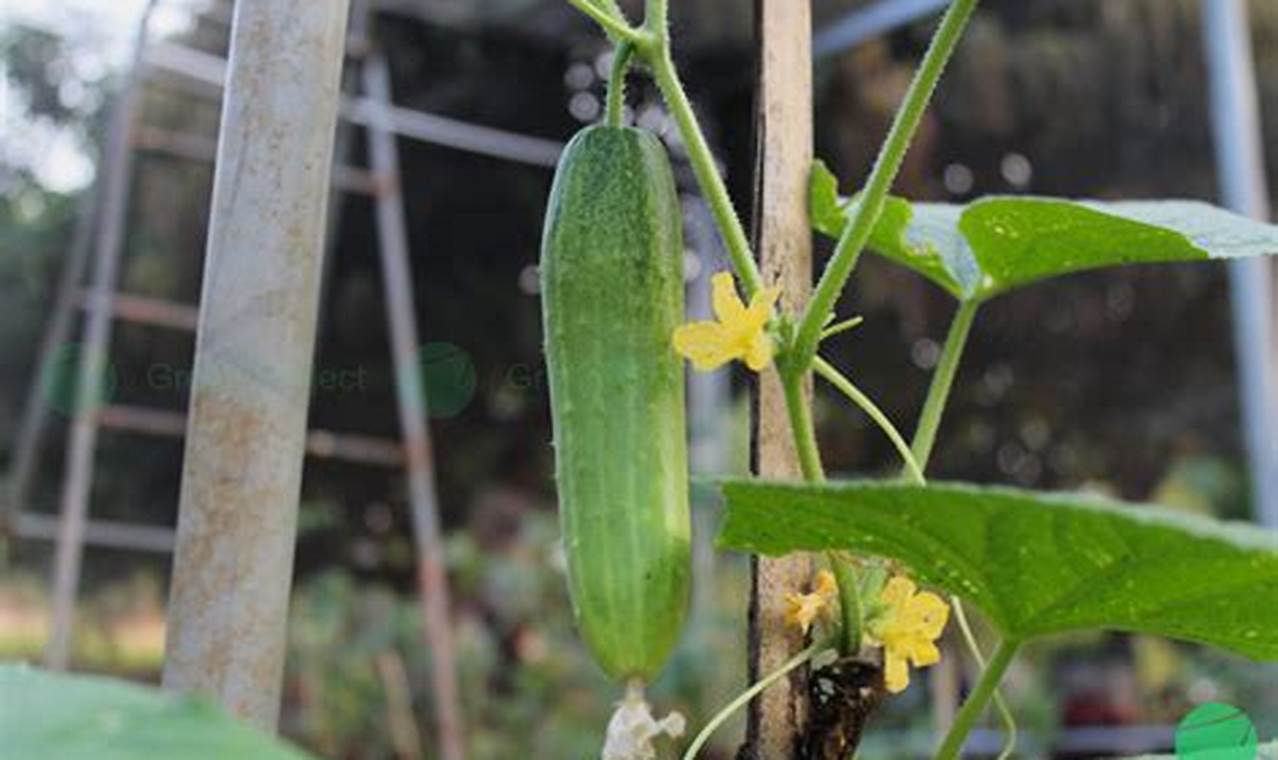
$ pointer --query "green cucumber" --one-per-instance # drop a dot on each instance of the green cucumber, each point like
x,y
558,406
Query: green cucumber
x,y
612,295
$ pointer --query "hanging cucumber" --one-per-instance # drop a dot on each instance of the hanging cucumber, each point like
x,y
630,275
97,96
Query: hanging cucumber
x,y
612,295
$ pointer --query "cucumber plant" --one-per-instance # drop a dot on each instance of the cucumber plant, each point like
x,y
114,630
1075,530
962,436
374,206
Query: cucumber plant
x,y
1033,564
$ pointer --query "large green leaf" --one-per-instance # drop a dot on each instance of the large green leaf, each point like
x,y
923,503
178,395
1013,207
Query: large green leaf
x,y
1036,563
46,715
923,237
999,243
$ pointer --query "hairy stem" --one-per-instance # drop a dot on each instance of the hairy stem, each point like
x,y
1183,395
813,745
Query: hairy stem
x,y
612,23
705,169
886,166
977,701
938,393
617,83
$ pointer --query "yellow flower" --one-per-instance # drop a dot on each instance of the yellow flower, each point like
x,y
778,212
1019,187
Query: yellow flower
x,y
803,609
737,333
907,629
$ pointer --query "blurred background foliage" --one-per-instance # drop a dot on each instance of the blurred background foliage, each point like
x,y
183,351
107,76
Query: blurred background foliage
x,y
1119,381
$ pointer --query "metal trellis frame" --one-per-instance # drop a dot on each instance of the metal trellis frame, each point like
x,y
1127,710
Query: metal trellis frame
x,y
204,626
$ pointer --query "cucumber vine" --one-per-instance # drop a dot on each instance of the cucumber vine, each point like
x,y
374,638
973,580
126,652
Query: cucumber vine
x,y
974,253
800,335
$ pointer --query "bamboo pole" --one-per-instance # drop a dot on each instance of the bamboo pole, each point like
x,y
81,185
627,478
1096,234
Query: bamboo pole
x,y
411,393
783,240
241,478
117,170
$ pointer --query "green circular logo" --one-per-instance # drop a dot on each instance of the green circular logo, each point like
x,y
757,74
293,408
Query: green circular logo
x,y
60,380
1216,731
449,377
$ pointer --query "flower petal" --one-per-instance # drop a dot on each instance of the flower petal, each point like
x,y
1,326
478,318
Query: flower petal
x,y
727,304
758,354
760,310
802,610
924,653
706,344
896,673
825,586
929,614
896,594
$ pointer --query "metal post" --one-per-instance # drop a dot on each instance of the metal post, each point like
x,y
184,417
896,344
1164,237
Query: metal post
x,y
241,477
117,169
35,412
411,393
1241,166
709,418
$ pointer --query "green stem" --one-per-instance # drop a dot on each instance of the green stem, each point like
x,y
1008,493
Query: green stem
x,y
938,393
804,431
872,200
617,83
809,454
845,575
841,327
702,161
1005,713
745,696
656,19
612,24
858,397
977,701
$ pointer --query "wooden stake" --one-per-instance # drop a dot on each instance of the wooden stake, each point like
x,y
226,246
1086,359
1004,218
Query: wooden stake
x,y
783,240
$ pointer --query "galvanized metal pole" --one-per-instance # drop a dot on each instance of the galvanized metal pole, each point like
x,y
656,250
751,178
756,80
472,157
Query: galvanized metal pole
x,y
411,392
251,382
117,169
1240,164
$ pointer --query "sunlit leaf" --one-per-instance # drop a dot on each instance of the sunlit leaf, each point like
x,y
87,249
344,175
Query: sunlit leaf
x,y
996,244
1035,563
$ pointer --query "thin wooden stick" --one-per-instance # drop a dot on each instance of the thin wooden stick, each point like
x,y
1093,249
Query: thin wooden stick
x,y
783,240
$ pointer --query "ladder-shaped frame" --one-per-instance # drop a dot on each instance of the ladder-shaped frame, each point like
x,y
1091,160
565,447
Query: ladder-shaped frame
x,y
99,238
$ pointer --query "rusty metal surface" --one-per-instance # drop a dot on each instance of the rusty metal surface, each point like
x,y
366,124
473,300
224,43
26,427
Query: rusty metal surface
x,y
167,142
144,310
411,395
250,386
107,534
108,245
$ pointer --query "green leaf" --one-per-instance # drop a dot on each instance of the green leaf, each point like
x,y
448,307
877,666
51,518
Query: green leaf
x,y
47,715
914,236
996,244
1036,564
1016,241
